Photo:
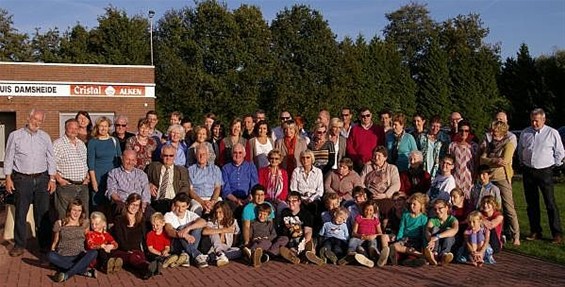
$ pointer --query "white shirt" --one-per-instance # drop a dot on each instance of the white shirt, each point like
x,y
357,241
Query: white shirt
x,y
540,148
180,222
310,186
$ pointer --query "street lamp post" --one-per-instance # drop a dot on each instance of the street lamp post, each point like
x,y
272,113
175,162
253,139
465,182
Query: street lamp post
x,y
151,14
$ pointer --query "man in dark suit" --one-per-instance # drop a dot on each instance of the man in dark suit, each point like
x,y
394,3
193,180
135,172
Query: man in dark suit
x,y
166,180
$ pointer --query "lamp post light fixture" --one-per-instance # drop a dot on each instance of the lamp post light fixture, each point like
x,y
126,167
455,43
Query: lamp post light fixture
x,y
151,14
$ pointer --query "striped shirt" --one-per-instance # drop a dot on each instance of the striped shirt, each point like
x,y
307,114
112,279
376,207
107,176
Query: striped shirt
x,y
124,183
29,153
70,158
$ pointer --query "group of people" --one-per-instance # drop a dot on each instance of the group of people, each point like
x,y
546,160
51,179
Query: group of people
x,y
345,191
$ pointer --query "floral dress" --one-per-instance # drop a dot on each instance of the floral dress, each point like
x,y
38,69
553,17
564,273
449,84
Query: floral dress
x,y
466,156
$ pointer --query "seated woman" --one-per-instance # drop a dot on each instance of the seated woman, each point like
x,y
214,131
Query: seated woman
x,y
308,181
460,208
343,180
415,179
440,234
381,179
275,181
67,251
129,232
143,144
399,143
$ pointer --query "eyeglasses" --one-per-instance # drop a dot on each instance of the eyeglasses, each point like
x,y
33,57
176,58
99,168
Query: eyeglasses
x,y
285,118
345,115
274,158
447,163
366,116
305,157
168,155
321,132
465,130
120,125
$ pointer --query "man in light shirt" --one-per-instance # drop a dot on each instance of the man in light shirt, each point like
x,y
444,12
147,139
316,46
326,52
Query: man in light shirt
x,y
540,149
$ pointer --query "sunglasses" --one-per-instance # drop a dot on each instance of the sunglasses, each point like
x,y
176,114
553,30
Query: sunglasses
x,y
321,132
285,118
168,155
305,157
345,115
119,125
366,116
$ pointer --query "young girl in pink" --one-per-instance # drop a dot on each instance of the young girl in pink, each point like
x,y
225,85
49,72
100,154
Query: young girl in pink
x,y
363,242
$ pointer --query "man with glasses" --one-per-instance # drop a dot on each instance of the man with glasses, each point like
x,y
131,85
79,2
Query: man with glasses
x,y
153,120
295,225
540,150
166,179
363,139
346,117
239,177
121,131
278,132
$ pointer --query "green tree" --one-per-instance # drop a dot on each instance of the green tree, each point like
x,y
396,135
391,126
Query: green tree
x,y
14,46
47,46
434,82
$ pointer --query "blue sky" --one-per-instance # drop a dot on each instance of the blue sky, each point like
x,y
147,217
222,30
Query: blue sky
x,y
538,23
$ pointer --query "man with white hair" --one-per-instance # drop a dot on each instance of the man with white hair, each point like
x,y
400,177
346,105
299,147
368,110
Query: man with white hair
x,y
206,179
239,177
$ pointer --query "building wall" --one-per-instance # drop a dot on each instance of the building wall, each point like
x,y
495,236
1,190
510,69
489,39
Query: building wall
x,y
131,106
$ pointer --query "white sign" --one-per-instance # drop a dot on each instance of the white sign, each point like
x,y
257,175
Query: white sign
x,y
75,89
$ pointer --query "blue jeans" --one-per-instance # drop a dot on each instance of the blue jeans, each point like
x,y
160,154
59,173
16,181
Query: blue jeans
x,y
355,242
72,265
32,189
181,245
443,245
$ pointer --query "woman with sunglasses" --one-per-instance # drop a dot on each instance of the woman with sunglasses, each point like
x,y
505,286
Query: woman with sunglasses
x,y
275,181
465,151
322,148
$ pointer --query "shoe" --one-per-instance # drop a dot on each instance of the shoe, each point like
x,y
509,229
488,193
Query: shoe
x,y
265,258
557,239
16,251
246,253
322,253
534,236
311,256
430,256
256,257
331,256
110,265
347,259
447,258
373,253
151,269
383,258
363,260
414,262
91,273
158,269
202,261
183,260
392,256
169,261
60,277
309,246
289,255
118,265
221,259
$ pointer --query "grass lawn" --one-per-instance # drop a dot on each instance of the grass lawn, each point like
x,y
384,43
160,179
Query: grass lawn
x,y
543,249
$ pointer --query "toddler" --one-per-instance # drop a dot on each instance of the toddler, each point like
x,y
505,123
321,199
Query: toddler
x,y
262,233
476,241
97,238
159,244
334,235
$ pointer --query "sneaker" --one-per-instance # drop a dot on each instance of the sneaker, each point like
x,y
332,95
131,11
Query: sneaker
x,y
347,259
447,258
246,253
265,258
363,260
17,252
91,273
311,256
414,262
110,265
151,269
221,259
118,265
430,256
169,261
60,277
383,258
331,256
322,253
373,253
202,261
289,255
184,260
256,257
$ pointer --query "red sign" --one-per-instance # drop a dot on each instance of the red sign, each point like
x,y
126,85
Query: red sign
x,y
102,90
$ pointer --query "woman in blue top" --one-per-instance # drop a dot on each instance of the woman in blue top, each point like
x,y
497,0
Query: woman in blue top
x,y
399,144
103,154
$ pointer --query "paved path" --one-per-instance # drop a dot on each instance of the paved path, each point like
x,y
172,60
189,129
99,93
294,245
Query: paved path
x,y
510,270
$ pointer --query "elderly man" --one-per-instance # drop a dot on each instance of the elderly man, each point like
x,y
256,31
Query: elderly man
x,y
121,131
239,177
206,181
540,149
72,170
125,180
454,120
363,139
30,170
166,179
324,117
